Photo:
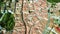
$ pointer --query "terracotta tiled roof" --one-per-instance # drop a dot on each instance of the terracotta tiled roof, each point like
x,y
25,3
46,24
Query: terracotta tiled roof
x,y
38,16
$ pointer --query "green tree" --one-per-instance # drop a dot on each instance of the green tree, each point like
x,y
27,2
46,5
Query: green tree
x,y
7,21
